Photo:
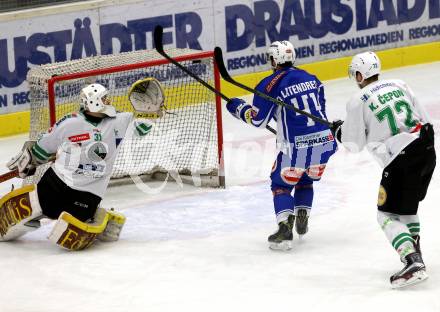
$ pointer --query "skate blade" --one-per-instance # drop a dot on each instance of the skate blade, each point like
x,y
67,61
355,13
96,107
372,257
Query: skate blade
x,y
418,277
284,245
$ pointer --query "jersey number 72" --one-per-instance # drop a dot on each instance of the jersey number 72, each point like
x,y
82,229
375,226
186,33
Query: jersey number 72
x,y
389,114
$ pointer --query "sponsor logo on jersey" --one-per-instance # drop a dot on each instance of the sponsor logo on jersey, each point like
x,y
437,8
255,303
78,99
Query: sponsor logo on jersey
x,y
382,85
79,137
274,81
309,140
97,151
94,171
365,97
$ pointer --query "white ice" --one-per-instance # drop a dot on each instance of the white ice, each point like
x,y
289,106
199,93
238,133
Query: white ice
x,y
187,249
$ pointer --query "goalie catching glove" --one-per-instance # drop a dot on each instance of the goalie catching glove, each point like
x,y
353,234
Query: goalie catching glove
x,y
147,98
24,161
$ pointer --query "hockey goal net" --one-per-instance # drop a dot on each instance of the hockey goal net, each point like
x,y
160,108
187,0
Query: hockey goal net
x,y
186,143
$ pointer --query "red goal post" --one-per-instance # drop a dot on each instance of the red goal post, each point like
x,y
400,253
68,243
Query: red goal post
x,y
187,140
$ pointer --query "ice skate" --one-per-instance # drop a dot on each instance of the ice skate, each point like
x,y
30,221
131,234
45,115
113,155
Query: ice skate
x,y
282,239
414,272
302,221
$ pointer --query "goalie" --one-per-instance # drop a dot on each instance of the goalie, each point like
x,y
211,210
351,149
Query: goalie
x,y
85,144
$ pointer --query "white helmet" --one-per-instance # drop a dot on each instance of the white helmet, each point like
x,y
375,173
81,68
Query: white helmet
x,y
281,52
94,99
367,63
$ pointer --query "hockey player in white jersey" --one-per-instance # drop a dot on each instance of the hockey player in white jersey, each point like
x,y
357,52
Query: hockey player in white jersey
x,y
85,144
386,118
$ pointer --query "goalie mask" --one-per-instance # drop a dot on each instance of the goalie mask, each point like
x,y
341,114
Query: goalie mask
x,y
280,52
367,64
94,99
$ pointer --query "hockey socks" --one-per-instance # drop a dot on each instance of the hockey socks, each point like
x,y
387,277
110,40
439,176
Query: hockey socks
x,y
283,203
402,232
397,233
304,195
413,225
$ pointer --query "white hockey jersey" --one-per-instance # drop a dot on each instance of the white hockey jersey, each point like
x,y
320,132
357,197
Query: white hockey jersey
x,y
86,151
385,117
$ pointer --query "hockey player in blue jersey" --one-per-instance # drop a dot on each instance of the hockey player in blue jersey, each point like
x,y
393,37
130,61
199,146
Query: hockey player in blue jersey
x,y
304,146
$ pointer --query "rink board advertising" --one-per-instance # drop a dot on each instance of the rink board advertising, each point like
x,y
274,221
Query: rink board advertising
x,y
319,29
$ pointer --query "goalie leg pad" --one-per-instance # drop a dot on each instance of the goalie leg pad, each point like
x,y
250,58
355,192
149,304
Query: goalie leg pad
x,y
73,234
116,221
19,213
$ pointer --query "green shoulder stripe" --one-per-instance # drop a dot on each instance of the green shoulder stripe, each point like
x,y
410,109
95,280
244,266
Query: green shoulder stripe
x,y
39,152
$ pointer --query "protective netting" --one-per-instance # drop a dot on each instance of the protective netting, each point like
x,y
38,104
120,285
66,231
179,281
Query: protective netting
x,y
184,140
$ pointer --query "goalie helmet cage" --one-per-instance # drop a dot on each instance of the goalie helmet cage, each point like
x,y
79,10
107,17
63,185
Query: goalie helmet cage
x,y
185,144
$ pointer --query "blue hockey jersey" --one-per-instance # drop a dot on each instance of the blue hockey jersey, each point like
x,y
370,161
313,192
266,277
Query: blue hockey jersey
x,y
298,88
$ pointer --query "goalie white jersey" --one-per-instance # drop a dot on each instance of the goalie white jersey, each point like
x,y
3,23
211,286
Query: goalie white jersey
x,y
85,150
385,117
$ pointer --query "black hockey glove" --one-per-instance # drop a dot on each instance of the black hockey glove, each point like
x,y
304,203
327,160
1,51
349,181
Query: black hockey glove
x,y
335,128
427,134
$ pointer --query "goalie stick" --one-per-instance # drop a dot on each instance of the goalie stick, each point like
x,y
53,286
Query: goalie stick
x,y
218,55
8,175
158,43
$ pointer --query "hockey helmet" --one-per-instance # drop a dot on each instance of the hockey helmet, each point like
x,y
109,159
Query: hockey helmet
x,y
281,52
94,99
367,64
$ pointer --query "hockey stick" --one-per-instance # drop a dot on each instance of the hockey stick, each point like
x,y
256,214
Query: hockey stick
x,y
218,55
158,39
8,175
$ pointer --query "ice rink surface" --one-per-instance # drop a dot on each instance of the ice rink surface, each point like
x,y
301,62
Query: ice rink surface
x,y
188,249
